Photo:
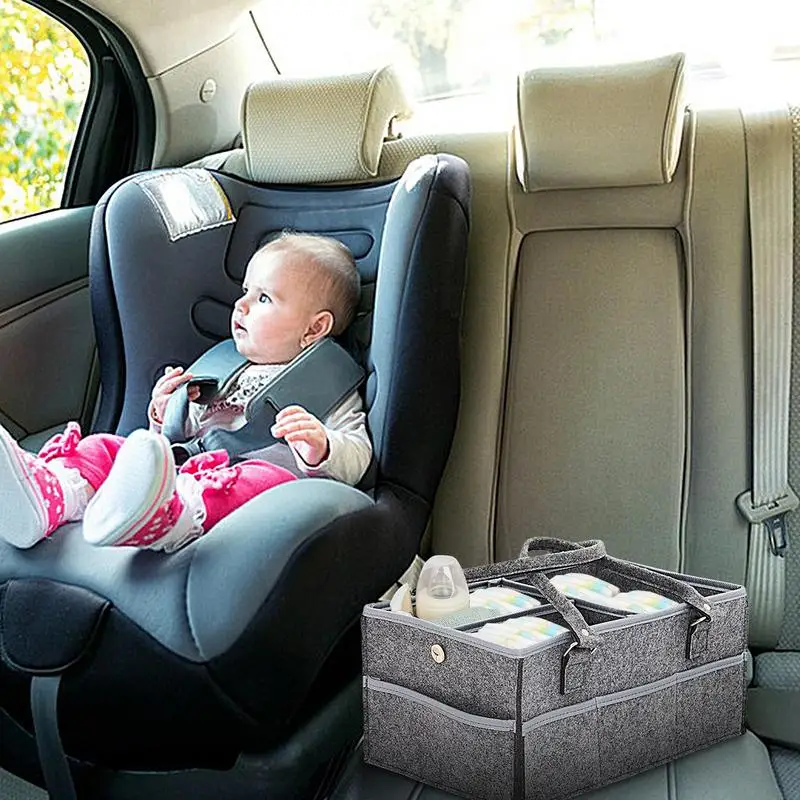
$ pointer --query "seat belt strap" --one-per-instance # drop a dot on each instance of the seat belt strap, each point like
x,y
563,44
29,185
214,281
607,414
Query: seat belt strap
x,y
768,144
52,758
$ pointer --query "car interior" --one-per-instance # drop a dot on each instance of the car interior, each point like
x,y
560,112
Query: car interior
x,y
575,323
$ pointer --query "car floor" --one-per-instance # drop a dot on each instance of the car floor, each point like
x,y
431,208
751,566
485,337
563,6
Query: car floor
x,y
13,788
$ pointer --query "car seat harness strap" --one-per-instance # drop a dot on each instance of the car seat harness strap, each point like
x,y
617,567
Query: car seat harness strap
x,y
319,379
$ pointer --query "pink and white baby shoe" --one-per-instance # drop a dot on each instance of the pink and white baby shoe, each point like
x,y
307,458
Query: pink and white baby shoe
x,y
138,505
31,496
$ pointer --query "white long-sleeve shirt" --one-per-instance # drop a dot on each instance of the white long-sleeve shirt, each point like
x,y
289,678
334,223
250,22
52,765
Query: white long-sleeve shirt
x,y
350,448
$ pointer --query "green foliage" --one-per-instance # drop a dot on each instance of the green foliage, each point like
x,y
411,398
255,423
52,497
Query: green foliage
x,y
432,32
424,27
44,77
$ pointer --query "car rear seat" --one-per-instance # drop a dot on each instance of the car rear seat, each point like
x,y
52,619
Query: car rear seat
x,y
657,273
623,320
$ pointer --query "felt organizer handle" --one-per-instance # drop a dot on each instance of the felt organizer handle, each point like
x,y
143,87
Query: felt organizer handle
x,y
548,553
576,658
557,553
560,553
541,553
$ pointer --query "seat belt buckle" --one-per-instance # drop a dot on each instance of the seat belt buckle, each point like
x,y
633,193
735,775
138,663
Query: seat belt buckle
x,y
772,515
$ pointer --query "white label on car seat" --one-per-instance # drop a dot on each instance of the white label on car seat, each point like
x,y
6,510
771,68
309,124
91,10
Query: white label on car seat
x,y
188,200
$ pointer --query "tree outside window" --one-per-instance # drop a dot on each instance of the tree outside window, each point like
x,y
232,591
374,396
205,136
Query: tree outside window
x,y
44,79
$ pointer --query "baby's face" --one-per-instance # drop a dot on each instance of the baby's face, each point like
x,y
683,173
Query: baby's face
x,y
270,321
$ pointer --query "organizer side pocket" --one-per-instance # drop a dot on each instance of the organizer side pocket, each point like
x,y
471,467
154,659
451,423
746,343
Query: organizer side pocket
x,y
561,752
426,740
636,729
710,704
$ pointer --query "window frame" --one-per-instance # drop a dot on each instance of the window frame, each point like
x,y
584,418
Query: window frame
x,y
118,92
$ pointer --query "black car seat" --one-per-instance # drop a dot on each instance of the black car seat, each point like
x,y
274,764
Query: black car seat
x,y
237,646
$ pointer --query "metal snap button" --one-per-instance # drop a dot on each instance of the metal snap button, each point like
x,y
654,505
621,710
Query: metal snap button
x,y
437,653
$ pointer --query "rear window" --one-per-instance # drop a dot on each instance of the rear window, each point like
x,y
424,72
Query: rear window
x,y
460,57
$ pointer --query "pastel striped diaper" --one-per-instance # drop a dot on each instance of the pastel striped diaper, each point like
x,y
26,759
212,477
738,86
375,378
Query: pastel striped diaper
x,y
579,586
519,632
642,601
502,600
580,582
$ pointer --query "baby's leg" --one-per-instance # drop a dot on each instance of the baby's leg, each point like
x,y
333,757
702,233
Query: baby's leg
x,y
225,489
39,493
144,504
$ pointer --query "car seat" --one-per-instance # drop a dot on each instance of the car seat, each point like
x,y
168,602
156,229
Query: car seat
x,y
243,644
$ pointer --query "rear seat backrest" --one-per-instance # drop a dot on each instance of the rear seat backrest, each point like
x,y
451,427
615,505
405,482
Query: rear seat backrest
x,y
596,427
720,326
572,459
627,395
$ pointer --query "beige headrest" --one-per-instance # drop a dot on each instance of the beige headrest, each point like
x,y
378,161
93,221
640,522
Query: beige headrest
x,y
614,125
319,130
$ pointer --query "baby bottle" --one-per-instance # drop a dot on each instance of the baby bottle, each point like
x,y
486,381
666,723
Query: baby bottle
x,y
441,588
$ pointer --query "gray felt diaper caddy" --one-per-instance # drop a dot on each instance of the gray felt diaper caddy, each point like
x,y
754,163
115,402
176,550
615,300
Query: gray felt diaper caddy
x,y
618,693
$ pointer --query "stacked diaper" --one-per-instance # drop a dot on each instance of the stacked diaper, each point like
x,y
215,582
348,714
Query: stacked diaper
x,y
519,632
579,586
501,600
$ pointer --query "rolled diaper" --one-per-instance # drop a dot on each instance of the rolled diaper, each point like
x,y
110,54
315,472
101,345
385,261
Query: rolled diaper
x,y
502,600
519,632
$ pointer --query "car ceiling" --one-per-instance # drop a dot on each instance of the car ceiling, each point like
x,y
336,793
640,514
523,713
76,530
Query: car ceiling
x,y
169,32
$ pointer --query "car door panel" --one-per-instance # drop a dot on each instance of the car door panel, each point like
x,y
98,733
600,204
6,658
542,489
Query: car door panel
x,y
47,346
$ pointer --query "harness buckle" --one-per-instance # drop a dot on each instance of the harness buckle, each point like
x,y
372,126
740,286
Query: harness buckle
x,y
772,515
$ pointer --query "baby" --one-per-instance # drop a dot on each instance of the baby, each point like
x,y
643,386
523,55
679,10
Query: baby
x,y
297,289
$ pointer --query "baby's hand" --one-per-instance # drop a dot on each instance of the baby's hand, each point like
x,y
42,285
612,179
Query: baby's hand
x,y
172,378
304,433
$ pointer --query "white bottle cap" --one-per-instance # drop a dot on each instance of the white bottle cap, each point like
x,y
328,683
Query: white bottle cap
x,y
441,589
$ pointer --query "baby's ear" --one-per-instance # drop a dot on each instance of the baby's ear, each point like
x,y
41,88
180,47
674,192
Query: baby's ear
x,y
321,325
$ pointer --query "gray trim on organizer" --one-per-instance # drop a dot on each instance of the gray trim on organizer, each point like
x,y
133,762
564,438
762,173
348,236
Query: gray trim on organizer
x,y
557,714
645,689
464,636
699,580
629,694
713,666
473,720
380,611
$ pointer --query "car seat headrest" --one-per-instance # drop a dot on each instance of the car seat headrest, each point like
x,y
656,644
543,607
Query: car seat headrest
x,y
320,130
617,125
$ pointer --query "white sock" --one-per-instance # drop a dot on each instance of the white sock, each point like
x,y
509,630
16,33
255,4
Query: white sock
x,y
77,490
189,524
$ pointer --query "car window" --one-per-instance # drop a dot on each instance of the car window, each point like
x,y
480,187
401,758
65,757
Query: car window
x,y
460,57
44,80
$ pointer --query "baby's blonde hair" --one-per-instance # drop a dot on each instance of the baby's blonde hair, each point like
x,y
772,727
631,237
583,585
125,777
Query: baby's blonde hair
x,y
340,287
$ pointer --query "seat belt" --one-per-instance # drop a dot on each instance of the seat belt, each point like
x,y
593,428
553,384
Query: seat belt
x,y
52,758
768,145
